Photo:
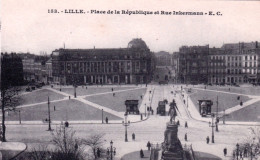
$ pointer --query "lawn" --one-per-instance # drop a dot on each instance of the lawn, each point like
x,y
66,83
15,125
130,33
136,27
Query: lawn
x,y
91,90
249,113
225,100
65,110
39,96
250,90
117,102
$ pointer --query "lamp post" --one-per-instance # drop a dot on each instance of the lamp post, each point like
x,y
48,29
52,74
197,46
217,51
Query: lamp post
x,y
102,117
212,126
217,116
111,151
187,101
126,124
20,117
145,109
75,94
49,112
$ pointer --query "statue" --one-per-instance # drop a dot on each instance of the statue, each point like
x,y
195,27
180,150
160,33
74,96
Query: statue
x,y
173,114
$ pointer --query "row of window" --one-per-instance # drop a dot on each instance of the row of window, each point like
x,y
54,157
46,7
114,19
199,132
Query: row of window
x,y
246,64
232,58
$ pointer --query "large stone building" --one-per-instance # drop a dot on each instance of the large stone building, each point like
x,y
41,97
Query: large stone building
x,y
234,63
193,64
229,64
11,70
133,64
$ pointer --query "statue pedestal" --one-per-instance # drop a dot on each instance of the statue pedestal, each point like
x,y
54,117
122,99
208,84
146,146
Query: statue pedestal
x,y
172,148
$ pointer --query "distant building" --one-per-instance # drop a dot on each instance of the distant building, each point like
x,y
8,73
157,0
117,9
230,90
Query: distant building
x,y
130,65
11,70
193,64
49,70
229,64
163,58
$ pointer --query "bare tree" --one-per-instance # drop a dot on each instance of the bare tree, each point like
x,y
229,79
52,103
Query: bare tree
x,y
9,100
94,141
68,146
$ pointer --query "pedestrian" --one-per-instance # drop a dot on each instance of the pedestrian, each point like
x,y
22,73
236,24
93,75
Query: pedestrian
x,y
186,124
245,152
148,145
207,139
241,155
133,136
106,120
86,87
69,97
54,108
225,151
141,153
112,89
185,137
141,116
178,123
98,152
152,111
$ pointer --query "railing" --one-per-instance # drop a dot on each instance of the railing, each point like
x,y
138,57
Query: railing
x,y
189,149
155,148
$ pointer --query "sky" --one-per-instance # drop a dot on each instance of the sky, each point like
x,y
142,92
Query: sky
x,y
26,25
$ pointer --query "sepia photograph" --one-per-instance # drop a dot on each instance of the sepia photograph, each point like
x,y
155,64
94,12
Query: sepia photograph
x,y
130,80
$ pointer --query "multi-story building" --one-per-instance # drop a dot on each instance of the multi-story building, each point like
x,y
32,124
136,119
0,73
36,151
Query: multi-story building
x,y
49,70
216,66
11,70
232,63
163,58
28,67
133,64
193,64
242,62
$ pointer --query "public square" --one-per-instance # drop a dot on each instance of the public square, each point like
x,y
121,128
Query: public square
x,y
84,114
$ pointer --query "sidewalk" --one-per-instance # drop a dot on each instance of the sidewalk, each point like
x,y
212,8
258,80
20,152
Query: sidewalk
x,y
9,150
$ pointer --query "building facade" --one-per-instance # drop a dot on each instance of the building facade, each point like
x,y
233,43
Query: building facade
x,y
11,70
229,64
193,64
130,65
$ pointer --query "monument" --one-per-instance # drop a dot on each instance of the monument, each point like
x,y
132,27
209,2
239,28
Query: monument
x,y
171,147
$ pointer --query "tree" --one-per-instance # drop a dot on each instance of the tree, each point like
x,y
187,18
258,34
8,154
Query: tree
x,y
94,141
10,86
251,144
68,146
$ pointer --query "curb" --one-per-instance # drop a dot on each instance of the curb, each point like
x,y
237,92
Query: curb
x,y
226,122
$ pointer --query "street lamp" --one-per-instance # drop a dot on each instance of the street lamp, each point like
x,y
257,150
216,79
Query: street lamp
x,y
217,119
20,117
145,109
212,126
75,94
126,124
49,112
111,151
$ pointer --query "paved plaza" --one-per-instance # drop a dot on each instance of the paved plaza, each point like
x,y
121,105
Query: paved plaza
x,y
33,132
